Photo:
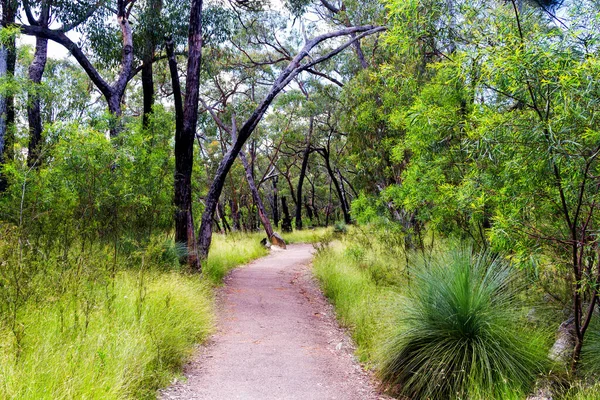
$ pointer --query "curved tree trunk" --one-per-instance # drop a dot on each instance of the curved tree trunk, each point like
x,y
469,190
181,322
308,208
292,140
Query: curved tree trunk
x,y
286,76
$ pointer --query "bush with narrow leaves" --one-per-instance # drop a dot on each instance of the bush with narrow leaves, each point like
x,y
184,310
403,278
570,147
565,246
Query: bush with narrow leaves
x,y
459,335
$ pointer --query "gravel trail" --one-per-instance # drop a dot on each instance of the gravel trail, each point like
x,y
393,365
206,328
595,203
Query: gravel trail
x,y
277,338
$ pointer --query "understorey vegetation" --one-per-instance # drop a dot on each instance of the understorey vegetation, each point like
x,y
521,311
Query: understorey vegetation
x,y
441,154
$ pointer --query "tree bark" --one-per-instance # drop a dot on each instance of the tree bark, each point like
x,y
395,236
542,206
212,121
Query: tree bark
x,y
325,153
34,116
112,93
275,202
256,197
147,88
286,224
185,132
153,12
305,159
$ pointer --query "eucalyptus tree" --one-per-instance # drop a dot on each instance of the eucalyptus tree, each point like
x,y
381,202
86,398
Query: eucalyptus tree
x,y
113,92
296,66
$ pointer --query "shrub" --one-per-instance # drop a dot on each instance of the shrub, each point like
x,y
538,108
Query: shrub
x,y
459,334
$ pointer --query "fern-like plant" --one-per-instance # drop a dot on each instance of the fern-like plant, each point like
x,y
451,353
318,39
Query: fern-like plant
x,y
459,335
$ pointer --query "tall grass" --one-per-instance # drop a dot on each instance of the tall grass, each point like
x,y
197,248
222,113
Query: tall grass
x,y
230,251
130,340
361,305
459,335
99,321
306,235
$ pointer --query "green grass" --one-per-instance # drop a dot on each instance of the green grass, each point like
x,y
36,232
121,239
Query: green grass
x,y
138,334
306,235
361,305
433,330
80,333
230,251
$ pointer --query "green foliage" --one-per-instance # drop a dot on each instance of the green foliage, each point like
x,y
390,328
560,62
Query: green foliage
x,y
305,236
340,227
76,325
360,303
459,334
92,188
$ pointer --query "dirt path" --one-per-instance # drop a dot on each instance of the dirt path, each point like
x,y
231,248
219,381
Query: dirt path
x,y
277,339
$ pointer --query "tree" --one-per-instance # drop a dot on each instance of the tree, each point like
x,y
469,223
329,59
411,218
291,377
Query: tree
x,y
287,75
186,118
114,92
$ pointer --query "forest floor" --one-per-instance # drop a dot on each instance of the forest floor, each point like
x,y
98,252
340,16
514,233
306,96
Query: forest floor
x,y
277,338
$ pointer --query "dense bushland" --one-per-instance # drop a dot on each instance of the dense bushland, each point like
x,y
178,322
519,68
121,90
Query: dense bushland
x,y
449,321
93,300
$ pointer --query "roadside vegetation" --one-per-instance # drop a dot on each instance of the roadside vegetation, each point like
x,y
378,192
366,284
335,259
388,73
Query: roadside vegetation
x,y
443,156
449,321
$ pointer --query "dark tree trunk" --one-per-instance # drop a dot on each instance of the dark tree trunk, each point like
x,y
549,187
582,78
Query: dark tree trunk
x,y
303,168
221,213
147,89
341,196
34,116
36,72
313,202
185,132
216,222
153,13
309,211
286,224
235,212
328,213
275,202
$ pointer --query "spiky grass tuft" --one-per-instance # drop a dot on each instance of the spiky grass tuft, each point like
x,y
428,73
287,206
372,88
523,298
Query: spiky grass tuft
x,y
459,334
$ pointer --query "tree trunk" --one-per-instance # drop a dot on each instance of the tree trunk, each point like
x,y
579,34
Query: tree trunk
x,y
256,196
153,14
112,93
286,224
147,88
235,213
285,77
305,159
221,214
342,198
184,142
275,202
34,116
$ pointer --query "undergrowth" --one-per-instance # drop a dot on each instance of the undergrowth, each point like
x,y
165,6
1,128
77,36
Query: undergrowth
x,y
117,342
432,326
229,251
98,323
305,235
